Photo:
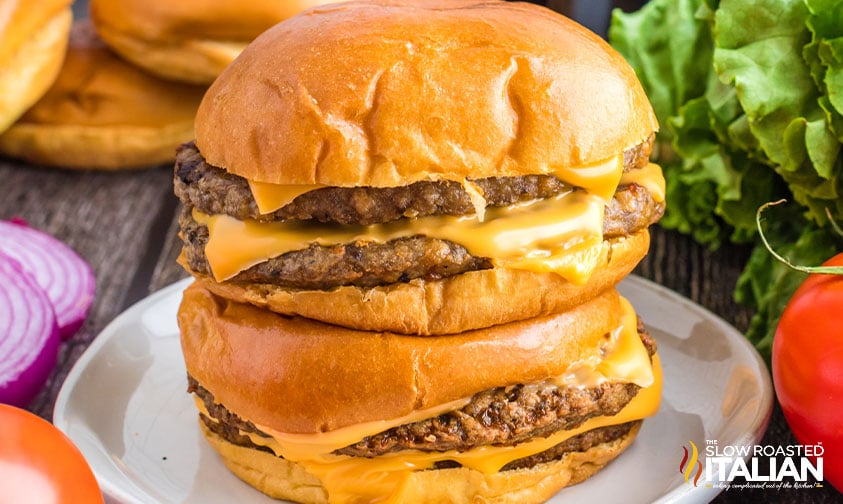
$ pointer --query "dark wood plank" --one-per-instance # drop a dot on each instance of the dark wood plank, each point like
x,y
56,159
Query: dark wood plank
x,y
106,218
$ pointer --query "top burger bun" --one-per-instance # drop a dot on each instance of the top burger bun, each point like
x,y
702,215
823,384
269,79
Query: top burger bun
x,y
102,112
33,37
189,40
332,97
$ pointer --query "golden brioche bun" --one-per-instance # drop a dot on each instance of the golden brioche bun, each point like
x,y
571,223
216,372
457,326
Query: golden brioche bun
x,y
32,45
104,113
282,479
384,93
282,372
189,40
454,304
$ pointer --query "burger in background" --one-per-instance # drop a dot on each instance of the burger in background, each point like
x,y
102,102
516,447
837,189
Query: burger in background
x,y
190,41
406,220
32,44
103,113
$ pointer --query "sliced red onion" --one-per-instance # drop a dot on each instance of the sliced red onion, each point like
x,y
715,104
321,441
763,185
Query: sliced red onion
x,y
66,278
29,335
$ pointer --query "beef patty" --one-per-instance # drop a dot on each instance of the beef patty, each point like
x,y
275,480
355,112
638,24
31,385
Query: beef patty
x,y
212,190
579,443
502,416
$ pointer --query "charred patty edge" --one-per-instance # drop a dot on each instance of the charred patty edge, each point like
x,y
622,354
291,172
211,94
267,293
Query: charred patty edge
x,y
579,443
215,191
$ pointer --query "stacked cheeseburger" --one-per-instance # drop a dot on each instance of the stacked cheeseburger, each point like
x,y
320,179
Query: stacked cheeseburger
x,y
406,220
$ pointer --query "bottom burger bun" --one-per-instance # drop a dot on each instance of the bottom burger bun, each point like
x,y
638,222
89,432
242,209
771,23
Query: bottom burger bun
x,y
282,479
30,69
103,113
451,305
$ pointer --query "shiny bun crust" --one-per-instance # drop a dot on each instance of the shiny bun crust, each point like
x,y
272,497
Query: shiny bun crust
x,y
282,373
34,38
282,479
451,305
102,112
190,40
332,96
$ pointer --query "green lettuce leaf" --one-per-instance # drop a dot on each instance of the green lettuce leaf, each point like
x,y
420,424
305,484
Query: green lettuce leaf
x,y
759,51
749,94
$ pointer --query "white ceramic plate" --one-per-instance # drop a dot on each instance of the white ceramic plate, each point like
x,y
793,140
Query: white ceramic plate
x,y
125,406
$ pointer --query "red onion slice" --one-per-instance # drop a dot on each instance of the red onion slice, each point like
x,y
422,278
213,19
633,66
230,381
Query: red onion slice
x,y
62,274
29,336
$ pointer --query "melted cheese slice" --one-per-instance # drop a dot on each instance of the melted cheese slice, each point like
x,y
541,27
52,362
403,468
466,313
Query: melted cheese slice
x,y
600,179
271,197
649,177
623,358
563,235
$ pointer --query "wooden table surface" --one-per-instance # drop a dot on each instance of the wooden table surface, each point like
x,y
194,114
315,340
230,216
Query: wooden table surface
x,y
124,225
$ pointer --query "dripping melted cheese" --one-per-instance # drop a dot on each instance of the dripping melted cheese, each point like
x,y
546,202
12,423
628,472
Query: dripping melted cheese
x,y
561,235
600,179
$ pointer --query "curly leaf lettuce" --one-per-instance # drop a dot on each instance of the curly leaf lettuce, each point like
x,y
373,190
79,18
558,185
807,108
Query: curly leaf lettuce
x,y
759,51
749,94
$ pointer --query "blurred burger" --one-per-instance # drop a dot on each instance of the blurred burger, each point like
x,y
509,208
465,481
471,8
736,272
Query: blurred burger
x,y
32,44
190,41
406,220
102,112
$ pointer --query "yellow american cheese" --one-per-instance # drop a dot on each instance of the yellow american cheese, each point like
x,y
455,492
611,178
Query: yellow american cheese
x,y
600,179
650,177
561,234
271,197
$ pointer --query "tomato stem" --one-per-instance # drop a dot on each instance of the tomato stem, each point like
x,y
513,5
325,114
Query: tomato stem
x,y
834,225
833,270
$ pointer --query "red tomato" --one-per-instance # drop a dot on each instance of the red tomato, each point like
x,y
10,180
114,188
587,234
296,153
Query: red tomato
x,y
808,367
38,463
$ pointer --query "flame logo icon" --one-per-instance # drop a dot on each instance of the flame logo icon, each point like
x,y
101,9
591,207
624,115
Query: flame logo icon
x,y
686,467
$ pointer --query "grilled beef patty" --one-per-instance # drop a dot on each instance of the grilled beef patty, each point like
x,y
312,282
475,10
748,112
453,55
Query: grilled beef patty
x,y
579,443
212,190
502,416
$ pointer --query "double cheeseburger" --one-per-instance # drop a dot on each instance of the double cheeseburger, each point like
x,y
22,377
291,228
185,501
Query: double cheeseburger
x,y
406,219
